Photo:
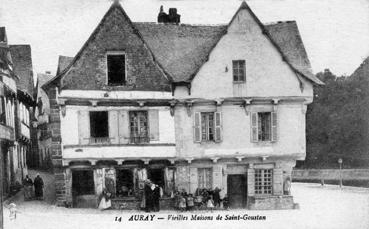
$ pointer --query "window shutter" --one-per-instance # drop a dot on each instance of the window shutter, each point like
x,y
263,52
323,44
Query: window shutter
x,y
254,127
123,126
218,126
217,176
197,127
154,125
113,127
277,182
274,127
193,179
84,127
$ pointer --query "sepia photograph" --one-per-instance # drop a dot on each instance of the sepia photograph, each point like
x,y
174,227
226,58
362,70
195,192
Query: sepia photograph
x,y
184,114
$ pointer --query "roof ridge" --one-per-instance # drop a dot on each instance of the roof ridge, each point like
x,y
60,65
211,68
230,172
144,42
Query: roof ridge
x,y
182,24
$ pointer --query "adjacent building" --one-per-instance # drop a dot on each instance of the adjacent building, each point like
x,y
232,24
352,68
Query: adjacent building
x,y
41,120
187,106
8,96
22,60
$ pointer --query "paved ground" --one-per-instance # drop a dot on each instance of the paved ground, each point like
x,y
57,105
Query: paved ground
x,y
320,207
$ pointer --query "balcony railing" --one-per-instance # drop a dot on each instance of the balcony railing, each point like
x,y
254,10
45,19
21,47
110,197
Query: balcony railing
x,y
139,139
98,141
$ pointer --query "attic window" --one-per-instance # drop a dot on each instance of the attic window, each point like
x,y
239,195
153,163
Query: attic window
x,y
116,69
239,71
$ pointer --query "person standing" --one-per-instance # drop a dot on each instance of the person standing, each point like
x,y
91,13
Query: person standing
x,y
216,195
149,195
156,198
27,184
39,185
105,202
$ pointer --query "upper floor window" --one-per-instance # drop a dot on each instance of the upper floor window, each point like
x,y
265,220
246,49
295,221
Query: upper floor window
x,y
116,64
264,126
263,181
205,177
239,71
207,126
99,127
138,122
2,110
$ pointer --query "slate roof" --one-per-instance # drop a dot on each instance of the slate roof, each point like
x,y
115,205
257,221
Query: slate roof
x,y
287,36
22,61
42,78
63,63
180,50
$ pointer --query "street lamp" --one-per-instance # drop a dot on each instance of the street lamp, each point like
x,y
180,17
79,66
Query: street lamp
x,y
340,163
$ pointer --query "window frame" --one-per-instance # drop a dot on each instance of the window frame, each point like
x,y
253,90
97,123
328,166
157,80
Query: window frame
x,y
107,127
147,138
116,53
234,62
268,131
207,126
260,183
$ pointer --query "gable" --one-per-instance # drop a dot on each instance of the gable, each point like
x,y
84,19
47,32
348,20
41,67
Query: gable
x,y
22,63
115,33
268,72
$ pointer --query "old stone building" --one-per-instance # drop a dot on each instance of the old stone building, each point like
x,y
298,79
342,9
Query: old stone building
x,y
42,154
16,98
26,142
8,95
187,106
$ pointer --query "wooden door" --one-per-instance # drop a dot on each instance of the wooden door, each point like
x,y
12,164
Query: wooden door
x,y
237,192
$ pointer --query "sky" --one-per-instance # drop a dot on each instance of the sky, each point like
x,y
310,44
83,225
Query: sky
x,y
335,32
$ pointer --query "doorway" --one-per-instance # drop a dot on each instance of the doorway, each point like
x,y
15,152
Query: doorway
x,y
83,189
237,190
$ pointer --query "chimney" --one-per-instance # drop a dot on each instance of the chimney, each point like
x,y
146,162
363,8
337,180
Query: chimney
x,y
162,17
172,18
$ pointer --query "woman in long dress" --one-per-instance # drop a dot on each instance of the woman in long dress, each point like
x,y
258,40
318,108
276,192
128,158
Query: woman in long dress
x,y
105,202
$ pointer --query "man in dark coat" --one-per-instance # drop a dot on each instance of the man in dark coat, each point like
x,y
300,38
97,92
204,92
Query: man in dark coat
x,y
156,198
149,196
39,185
27,184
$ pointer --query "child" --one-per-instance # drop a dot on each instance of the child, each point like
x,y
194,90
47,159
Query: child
x,y
182,203
13,211
190,203
198,201
210,203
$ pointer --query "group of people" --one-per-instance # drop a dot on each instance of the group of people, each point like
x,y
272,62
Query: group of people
x,y
203,199
38,185
152,194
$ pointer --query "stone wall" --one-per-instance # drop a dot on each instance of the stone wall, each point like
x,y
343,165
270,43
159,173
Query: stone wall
x,y
270,202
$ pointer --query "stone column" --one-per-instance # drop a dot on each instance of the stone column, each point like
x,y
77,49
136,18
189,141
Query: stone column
x,y
56,151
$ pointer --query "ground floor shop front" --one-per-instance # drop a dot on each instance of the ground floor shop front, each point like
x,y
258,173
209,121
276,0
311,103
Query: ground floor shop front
x,y
248,184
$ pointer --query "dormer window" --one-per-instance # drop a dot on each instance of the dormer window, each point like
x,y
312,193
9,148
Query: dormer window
x,y
116,63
